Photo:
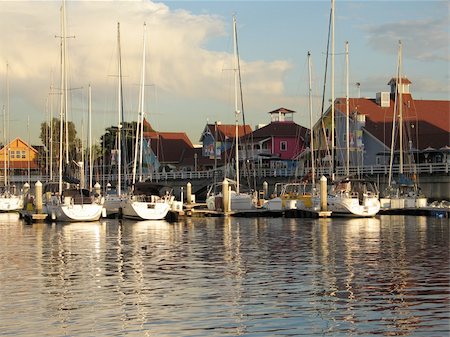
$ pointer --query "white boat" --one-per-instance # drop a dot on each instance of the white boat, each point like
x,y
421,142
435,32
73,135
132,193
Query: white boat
x,y
404,192
239,201
114,198
144,203
144,207
354,198
291,194
113,202
10,202
298,195
73,204
348,197
351,197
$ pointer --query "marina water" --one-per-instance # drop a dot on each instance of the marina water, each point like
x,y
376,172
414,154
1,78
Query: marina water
x,y
385,276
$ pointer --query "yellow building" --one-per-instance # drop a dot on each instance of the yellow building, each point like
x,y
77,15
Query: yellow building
x,y
17,157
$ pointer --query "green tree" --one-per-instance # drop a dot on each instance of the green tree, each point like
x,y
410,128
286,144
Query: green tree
x,y
109,143
50,136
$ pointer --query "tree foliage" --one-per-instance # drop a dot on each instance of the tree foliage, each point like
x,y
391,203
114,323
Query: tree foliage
x,y
50,137
109,142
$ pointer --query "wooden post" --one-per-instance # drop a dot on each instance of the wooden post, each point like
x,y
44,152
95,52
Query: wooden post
x,y
323,193
266,189
38,200
189,193
97,189
226,196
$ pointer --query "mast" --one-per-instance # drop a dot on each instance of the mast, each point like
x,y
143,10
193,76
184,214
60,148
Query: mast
x,y
90,136
236,110
5,137
28,148
5,147
400,106
394,117
347,110
140,122
66,105
51,132
142,104
311,135
63,93
119,109
332,89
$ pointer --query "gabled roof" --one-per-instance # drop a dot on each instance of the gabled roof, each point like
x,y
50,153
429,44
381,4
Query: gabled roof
x,y
147,126
168,146
169,150
226,131
404,80
151,133
282,110
280,129
181,136
430,119
18,142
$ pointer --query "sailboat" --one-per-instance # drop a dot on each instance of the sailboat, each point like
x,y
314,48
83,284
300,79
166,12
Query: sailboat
x,y
298,194
404,192
114,199
347,196
239,201
9,201
141,204
71,204
352,196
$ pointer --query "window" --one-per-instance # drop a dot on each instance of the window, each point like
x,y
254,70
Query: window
x,y
23,155
283,146
12,154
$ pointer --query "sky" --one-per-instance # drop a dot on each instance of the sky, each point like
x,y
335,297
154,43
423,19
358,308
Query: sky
x,y
189,49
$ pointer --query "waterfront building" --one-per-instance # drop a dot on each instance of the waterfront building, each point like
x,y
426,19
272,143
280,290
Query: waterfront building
x,y
167,151
218,142
426,125
18,156
277,144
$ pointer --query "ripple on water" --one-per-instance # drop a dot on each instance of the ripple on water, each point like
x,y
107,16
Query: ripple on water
x,y
216,277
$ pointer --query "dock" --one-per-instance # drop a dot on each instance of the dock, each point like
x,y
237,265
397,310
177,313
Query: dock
x,y
200,210
32,217
440,212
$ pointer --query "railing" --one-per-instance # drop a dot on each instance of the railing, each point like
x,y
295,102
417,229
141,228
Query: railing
x,y
429,168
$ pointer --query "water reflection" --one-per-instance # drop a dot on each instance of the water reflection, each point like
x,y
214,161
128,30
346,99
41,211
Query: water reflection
x,y
215,277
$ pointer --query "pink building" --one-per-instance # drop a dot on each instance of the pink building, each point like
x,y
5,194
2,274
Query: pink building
x,y
281,139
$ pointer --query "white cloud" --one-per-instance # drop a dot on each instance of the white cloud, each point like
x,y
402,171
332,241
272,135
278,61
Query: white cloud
x,y
177,60
424,40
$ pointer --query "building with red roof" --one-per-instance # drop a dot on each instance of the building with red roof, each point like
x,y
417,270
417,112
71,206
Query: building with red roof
x,y
219,139
169,150
18,156
282,138
426,125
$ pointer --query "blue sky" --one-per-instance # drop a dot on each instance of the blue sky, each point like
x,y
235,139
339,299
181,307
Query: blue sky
x,y
189,56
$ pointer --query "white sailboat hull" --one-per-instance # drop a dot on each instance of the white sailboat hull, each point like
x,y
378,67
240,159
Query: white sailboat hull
x,y
399,203
143,210
113,203
238,202
345,205
76,212
11,203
